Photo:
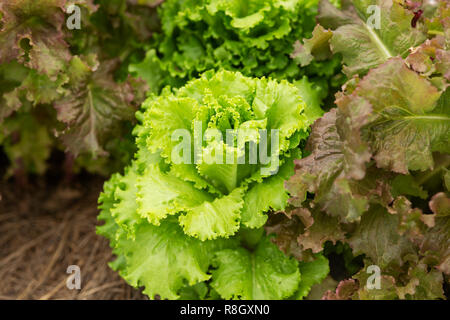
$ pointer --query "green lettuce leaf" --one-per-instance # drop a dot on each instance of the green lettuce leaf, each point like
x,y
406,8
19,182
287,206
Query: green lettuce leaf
x,y
255,39
150,259
265,274
312,272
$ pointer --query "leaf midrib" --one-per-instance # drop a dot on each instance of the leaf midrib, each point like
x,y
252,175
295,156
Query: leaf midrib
x,y
378,42
415,117
375,37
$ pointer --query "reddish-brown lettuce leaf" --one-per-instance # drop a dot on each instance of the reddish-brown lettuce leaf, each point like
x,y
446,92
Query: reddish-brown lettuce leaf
x,y
436,244
32,34
377,237
344,291
95,108
378,158
409,121
364,44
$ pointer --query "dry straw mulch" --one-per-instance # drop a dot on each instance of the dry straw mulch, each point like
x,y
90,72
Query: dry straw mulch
x,y
43,230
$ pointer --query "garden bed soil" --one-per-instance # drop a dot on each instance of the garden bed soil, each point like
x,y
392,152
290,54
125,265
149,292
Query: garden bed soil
x,y
44,228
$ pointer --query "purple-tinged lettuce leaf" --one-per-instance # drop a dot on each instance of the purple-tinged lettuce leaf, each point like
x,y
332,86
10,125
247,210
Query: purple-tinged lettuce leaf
x,y
362,43
421,284
95,109
428,283
286,228
377,237
436,245
330,157
344,291
32,34
431,57
336,169
324,228
410,119
387,290
377,158
304,229
412,222
36,89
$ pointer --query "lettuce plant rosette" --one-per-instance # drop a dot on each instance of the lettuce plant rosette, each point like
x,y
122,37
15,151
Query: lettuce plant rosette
x,y
255,38
376,183
68,85
188,228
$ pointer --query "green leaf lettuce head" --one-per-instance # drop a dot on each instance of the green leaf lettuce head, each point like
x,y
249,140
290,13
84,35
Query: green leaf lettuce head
x,y
175,225
252,37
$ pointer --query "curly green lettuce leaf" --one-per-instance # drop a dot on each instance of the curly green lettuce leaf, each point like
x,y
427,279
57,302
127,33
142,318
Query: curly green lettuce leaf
x,y
163,210
147,257
219,217
160,194
160,258
256,202
222,101
254,38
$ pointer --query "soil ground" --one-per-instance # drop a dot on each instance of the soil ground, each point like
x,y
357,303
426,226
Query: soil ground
x,y
45,228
